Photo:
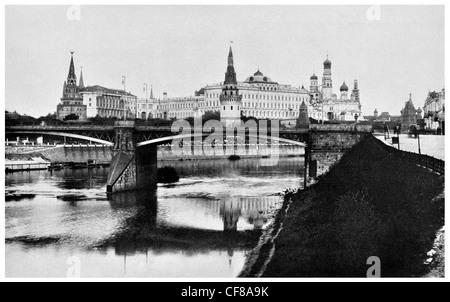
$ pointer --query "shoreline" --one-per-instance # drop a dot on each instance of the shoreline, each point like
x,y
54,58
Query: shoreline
x,y
299,244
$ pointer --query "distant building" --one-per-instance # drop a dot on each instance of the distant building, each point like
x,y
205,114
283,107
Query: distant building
x,y
326,105
230,99
409,115
104,102
72,100
92,101
262,98
434,110
176,107
382,117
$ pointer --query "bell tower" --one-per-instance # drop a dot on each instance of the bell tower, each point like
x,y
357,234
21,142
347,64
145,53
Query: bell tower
x,y
327,83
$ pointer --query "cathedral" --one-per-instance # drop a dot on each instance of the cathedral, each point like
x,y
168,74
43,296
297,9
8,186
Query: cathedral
x,y
72,99
410,116
324,104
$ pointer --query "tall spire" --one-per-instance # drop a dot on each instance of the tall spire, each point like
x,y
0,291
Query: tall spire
x,y
71,77
230,75
151,92
81,83
230,58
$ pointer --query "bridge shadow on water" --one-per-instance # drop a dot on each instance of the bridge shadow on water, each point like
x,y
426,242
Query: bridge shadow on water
x,y
142,231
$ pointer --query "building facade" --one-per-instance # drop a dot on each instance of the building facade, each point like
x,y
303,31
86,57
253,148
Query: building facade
x,y
258,96
104,102
434,111
176,107
72,100
325,105
92,101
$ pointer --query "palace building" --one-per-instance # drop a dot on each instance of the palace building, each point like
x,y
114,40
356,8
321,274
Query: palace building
x,y
105,102
261,97
257,96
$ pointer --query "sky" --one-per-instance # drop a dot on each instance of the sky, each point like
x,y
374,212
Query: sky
x,y
395,51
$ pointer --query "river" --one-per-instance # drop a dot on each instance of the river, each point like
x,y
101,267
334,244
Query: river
x,y
62,223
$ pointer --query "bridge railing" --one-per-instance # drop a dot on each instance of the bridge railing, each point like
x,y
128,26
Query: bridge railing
x,y
429,162
60,127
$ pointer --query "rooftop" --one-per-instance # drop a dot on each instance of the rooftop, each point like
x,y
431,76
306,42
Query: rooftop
x,y
98,88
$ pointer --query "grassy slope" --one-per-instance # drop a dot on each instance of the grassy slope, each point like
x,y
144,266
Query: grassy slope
x,y
369,204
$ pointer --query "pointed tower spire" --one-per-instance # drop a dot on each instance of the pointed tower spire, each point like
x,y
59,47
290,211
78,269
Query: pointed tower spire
x,y
230,57
230,75
151,92
71,77
81,83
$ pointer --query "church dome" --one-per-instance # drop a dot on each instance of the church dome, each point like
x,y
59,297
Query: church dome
x,y
259,77
327,63
344,87
258,73
313,77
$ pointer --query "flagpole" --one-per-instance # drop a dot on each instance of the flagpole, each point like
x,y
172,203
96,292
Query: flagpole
x,y
124,98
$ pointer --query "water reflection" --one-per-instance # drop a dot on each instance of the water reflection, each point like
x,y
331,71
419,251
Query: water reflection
x,y
202,226
142,231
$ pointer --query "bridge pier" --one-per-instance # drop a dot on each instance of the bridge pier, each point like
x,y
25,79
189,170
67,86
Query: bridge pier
x,y
131,167
328,143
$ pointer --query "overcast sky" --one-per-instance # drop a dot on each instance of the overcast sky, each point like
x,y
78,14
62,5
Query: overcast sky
x,y
179,49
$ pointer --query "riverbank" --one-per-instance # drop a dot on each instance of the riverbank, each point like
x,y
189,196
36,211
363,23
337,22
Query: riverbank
x,y
26,162
369,204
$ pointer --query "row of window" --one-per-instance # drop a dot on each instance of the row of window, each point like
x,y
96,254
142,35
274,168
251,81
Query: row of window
x,y
71,109
108,103
266,97
267,114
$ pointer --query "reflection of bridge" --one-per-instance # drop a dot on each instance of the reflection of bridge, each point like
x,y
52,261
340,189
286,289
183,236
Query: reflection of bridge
x,y
134,163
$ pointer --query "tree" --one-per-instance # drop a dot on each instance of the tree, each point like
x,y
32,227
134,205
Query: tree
x,y
71,117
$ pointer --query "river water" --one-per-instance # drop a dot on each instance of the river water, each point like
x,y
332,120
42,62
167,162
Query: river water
x,y
62,223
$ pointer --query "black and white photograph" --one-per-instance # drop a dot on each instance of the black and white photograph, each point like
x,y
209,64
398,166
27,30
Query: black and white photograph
x,y
221,142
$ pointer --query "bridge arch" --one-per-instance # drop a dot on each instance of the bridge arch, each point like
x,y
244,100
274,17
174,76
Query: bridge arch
x,y
72,135
183,136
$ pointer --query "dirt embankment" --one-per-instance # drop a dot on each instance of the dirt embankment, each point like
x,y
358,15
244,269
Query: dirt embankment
x,y
369,204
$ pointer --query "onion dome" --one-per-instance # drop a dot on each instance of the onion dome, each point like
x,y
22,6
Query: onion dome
x,y
327,64
344,87
313,77
258,73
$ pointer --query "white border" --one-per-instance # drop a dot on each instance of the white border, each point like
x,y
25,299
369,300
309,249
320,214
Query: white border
x,y
197,2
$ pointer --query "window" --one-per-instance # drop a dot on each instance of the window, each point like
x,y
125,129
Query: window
x,y
231,107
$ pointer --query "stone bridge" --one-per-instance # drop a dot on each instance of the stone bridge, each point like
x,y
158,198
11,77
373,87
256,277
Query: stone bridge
x,y
134,161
